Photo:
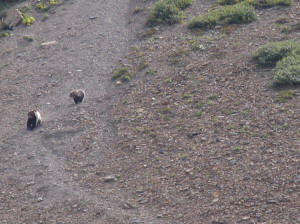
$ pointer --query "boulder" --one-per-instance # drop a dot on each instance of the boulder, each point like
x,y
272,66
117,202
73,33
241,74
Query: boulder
x,y
12,19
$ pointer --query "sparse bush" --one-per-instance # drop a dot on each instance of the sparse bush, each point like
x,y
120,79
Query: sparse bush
x,y
285,29
122,73
28,20
164,13
4,34
257,3
181,4
235,14
287,71
282,20
42,6
286,56
268,3
284,96
271,53
228,2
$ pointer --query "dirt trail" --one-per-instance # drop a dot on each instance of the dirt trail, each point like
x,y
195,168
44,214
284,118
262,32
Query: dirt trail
x,y
42,172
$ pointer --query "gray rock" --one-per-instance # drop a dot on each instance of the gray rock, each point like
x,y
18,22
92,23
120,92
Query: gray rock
x,y
12,19
110,178
127,205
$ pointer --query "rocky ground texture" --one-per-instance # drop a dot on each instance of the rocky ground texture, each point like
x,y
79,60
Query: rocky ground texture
x,y
197,135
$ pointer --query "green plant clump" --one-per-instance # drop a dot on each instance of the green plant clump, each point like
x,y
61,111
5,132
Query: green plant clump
x,y
284,96
287,71
271,53
257,3
232,14
286,56
4,34
42,6
122,73
28,20
181,4
168,12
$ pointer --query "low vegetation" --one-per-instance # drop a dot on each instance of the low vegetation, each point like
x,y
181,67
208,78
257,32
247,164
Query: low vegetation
x,y
269,54
284,96
28,20
46,5
121,73
168,12
257,3
285,55
287,71
231,14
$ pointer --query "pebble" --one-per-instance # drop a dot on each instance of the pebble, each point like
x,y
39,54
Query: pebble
x,y
49,43
109,178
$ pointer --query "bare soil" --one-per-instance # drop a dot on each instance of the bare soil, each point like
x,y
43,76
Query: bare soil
x,y
201,136
43,171
196,136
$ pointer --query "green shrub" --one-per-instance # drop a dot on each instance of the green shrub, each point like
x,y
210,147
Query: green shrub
x,y
268,3
287,71
271,53
42,6
122,73
164,13
4,34
235,14
257,3
28,20
181,4
228,2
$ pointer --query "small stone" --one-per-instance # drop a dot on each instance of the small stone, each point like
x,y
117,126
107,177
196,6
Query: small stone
x,y
189,67
272,201
49,43
297,179
127,205
110,178
245,218
93,17
215,200
140,110
188,171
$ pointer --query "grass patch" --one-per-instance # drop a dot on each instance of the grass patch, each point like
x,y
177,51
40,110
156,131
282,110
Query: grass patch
x,y
199,114
46,5
271,53
181,4
257,3
168,12
4,34
232,14
143,64
284,96
28,38
122,73
286,56
285,29
287,71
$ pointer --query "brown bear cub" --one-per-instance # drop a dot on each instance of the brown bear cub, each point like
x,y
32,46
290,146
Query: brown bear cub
x,y
77,95
34,119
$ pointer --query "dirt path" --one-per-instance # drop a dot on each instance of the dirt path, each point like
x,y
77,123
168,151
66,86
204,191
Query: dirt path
x,y
42,173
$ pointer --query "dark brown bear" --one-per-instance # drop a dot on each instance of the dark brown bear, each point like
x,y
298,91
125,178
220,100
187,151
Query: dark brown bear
x,y
34,119
77,95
